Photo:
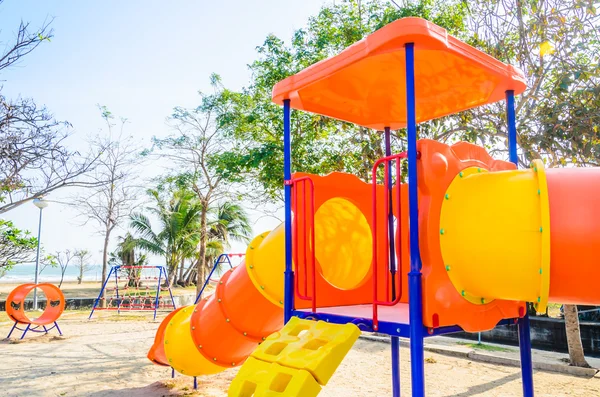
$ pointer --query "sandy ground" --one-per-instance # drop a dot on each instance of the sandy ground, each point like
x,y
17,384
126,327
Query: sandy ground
x,y
107,357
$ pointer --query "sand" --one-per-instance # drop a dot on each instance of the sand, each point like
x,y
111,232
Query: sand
x,y
107,357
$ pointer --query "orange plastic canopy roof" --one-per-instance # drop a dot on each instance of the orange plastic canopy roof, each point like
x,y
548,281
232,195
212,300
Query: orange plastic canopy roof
x,y
366,83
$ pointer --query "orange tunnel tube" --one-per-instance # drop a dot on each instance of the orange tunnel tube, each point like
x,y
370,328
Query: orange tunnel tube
x,y
222,329
234,320
574,198
55,304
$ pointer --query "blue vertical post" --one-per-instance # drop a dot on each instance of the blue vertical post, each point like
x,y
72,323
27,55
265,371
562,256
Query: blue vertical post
x,y
288,304
160,272
57,328
395,340
12,329
417,362
512,127
168,285
100,294
25,331
119,300
524,333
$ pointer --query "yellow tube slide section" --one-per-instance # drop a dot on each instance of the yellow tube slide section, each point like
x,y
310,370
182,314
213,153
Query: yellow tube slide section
x,y
495,235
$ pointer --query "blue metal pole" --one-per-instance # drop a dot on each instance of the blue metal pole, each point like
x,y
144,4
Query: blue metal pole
x,y
100,294
119,300
414,277
37,261
524,332
512,127
216,264
57,328
392,254
25,331
170,291
288,304
160,272
11,330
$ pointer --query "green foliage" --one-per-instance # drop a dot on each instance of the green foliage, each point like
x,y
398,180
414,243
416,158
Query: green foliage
x,y
179,233
125,255
320,145
557,45
16,245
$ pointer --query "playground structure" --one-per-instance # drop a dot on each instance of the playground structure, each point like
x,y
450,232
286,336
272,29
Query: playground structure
x,y
221,261
136,288
462,246
15,309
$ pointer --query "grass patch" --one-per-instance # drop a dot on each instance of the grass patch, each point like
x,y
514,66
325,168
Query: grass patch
x,y
430,360
483,346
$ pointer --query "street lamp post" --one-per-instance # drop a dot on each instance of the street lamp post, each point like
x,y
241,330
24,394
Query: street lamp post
x,y
41,204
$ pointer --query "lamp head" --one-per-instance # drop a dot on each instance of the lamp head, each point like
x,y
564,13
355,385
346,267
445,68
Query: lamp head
x,y
40,203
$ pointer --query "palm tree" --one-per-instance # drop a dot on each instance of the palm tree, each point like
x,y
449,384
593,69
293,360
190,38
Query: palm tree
x,y
125,255
227,222
179,229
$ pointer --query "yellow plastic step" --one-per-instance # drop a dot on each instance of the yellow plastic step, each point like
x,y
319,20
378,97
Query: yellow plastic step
x,y
315,346
262,379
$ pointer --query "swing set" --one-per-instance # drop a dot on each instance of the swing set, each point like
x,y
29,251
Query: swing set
x,y
136,288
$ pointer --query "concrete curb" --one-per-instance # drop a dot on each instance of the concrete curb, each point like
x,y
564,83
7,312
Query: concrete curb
x,y
470,354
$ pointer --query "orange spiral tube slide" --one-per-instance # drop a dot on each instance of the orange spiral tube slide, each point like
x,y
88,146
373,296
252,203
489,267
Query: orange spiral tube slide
x,y
223,329
15,304
574,198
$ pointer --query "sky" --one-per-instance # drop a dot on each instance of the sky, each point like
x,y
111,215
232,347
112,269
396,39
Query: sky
x,y
140,59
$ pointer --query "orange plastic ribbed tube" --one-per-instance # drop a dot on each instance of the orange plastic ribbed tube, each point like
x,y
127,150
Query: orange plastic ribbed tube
x,y
574,198
230,323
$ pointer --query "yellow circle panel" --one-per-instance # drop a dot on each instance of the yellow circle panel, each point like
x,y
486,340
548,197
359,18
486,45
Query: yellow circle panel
x,y
343,243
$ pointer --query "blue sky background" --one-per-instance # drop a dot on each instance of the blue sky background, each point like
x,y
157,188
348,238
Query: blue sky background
x,y
140,59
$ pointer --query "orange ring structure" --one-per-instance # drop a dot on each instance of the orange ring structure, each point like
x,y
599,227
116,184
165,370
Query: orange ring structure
x,y
15,307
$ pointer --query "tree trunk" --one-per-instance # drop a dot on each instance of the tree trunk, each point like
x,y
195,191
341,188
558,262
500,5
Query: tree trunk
x,y
105,264
172,274
186,276
201,262
62,275
574,337
181,270
80,278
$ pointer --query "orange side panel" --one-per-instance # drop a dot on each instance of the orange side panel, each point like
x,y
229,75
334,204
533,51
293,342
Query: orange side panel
x,y
55,304
350,188
228,325
574,197
157,351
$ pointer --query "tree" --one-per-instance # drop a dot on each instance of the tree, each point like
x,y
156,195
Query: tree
x,y
179,232
555,43
34,160
125,255
576,354
227,222
111,201
16,246
83,258
64,258
194,151
320,145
